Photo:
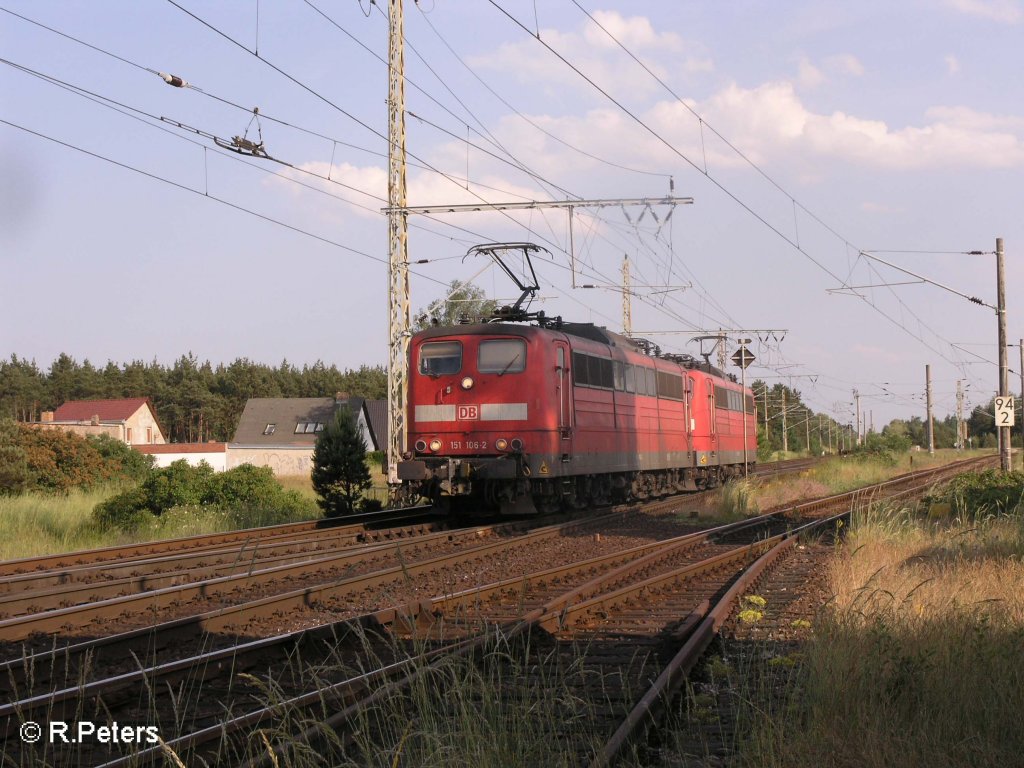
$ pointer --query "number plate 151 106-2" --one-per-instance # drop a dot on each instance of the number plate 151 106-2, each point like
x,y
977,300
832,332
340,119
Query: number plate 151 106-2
x,y
469,445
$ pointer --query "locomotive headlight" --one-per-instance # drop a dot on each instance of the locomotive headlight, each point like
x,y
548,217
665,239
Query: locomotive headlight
x,y
501,444
421,446
517,444
435,445
467,382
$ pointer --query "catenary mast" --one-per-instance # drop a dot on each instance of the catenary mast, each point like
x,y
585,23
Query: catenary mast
x,y
398,246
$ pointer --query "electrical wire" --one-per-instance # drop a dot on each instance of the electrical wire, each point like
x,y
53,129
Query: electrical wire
x,y
186,188
794,243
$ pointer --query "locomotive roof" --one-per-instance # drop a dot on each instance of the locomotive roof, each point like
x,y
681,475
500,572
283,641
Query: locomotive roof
x,y
582,330
588,331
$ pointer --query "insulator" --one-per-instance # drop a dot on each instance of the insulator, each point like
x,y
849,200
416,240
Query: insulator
x,y
174,80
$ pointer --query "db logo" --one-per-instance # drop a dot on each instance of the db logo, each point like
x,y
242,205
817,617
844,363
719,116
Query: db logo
x,y
467,412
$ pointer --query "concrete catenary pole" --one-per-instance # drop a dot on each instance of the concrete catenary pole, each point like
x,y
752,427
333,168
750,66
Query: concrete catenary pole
x,y
785,433
959,414
929,424
1004,371
856,397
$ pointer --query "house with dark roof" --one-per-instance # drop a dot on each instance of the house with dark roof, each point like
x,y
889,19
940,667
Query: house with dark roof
x,y
377,413
280,432
131,420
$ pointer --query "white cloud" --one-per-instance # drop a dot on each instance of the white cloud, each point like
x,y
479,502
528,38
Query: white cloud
x,y
771,118
598,56
952,65
769,124
1005,11
365,187
808,75
632,32
845,64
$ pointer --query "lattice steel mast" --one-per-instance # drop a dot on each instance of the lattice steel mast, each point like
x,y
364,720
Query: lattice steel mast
x,y
398,264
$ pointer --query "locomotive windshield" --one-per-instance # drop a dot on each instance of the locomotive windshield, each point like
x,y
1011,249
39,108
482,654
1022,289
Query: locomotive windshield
x,y
502,356
440,358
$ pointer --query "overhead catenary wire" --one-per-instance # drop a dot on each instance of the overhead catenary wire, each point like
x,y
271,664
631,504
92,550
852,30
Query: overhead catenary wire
x,y
141,115
317,94
793,243
200,91
101,99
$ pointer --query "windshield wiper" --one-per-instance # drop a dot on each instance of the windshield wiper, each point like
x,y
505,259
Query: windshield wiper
x,y
505,369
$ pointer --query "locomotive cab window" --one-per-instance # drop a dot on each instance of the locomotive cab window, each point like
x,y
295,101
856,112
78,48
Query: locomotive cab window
x,y
502,356
440,358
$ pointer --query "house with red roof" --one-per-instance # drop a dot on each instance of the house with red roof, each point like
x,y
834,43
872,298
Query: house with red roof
x,y
131,420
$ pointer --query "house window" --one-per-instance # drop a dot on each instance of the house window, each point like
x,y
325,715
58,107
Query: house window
x,y
311,427
319,427
307,427
300,428
128,438
270,429
149,434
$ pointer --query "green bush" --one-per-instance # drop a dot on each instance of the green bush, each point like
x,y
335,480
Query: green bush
x,y
59,461
974,493
54,461
122,459
879,449
242,486
14,472
123,511
246,496
180,484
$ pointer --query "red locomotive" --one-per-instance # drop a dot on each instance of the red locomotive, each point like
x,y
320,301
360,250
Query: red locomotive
x,y
520,418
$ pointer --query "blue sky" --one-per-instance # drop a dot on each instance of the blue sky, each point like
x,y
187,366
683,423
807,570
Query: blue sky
x,y
805,132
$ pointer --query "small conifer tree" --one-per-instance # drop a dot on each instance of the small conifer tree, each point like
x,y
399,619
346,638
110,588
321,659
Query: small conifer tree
x,y
340,474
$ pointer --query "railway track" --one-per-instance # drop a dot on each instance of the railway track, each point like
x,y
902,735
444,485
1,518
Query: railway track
x,y
354,525
197,574
624,607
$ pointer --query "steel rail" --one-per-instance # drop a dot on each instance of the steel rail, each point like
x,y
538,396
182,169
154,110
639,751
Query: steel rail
x,y
555,613
224,563
190,543
241,657
20,627
562,615
703,625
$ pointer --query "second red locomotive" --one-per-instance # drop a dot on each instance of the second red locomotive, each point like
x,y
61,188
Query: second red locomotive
x,y
519,418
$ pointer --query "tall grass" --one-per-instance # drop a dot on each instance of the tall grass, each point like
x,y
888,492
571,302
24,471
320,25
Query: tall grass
x,y
916,662
461,712
43,524
39,524
831,476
